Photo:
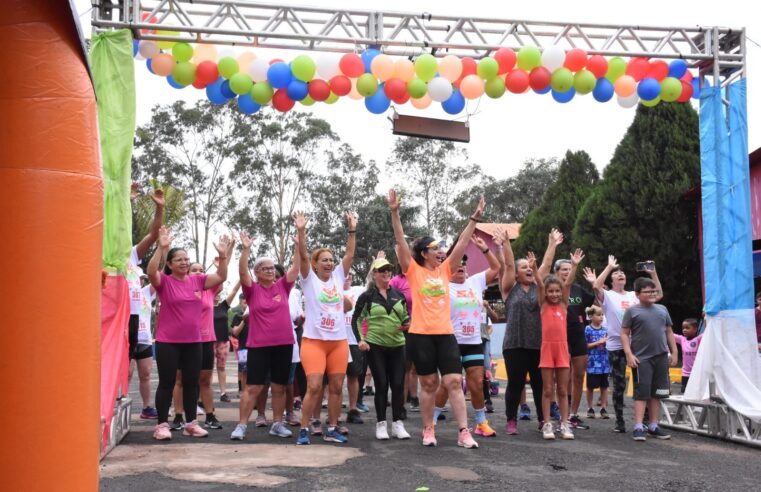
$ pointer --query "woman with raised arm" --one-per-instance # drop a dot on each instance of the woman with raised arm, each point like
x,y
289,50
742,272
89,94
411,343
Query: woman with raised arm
x,y
431,339
523,333
178,331
270,335
324,346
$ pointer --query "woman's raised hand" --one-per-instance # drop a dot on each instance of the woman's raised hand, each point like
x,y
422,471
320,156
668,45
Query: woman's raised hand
x,y
556,237
245,240
300,220
393,200
480,208
479,242
164,240
577,256
351,220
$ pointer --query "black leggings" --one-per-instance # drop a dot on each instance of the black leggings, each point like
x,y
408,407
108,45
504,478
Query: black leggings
x,y
170,357
518,362
387,368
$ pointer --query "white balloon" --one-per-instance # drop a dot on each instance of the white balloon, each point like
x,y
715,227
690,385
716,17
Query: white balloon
x,y
553,57
628,102
327,66
148,49
440,89
258,70
227,52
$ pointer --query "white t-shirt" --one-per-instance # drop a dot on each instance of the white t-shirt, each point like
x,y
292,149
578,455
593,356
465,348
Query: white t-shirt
x,y
133,282
295,305
352,294
144,327
614,305
323,305
466,306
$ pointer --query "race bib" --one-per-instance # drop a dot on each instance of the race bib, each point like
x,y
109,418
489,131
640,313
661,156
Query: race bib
x,y
329,322
469,330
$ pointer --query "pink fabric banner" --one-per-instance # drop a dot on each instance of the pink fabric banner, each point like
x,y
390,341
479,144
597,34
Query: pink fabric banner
x,y
114,345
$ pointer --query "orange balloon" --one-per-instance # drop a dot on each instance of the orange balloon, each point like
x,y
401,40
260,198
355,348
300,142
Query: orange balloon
x,y
423,102
450,67
203,52
353,94
162,64
625,86
472,87
382,67
245,59
404,70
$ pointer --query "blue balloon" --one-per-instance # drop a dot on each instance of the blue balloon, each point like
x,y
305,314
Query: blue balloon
x,y
297,90
603,90
248,105
545,90
648,89
173,82
455,103
134,47
279,75
367,58
696,87
677,68
378,103
226,91
214,92
563,97
149,65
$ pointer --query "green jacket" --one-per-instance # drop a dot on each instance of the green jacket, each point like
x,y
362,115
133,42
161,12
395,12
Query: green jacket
x,y
384,315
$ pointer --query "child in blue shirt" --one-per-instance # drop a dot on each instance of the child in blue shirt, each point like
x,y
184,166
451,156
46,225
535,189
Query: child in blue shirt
x,y
598,366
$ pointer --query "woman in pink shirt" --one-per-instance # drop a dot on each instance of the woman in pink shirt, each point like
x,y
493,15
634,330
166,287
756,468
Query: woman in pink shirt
x,y
178,332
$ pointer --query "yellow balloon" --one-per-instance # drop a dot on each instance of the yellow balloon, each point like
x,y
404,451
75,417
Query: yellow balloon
x,y
245,59
450,67
404,70
204,52
382,67
166,45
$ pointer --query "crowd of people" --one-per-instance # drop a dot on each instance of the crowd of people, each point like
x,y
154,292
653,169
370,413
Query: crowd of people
x,y
299,333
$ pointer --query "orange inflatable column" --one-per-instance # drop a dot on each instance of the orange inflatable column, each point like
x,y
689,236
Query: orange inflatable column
x,y
51,216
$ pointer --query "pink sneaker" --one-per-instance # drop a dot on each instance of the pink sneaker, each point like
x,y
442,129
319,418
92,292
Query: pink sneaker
x,y
429,436
465,440
194,430
162,433
511,428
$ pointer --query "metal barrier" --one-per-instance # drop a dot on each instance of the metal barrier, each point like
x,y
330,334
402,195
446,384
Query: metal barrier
x,y
120,424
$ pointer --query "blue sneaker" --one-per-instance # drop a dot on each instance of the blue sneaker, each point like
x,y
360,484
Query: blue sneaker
x,y
332,435
554,411
362,407
639,435
524,413
303,438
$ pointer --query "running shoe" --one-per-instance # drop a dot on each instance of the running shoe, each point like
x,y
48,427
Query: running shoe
x,y
554,411
303,438
489,407
658,433
414,404
194,430
334,436
178,423
429,436
620,428
381,431
591,413
362,407
524,413
484,429
565,431
369,391
212,422
261,421
316,428
239,433
548,432
442,416
149,413
398,431
604,414
465,440
511,428
162,433
224,398
639,435
291,419
297,403
199,409
342,429
577,423
280,430
353,417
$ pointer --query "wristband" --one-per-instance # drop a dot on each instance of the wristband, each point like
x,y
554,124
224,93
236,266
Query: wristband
x,y
485,251
222,257
352,232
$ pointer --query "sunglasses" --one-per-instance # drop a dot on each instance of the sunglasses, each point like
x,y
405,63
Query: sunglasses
x,y
385,269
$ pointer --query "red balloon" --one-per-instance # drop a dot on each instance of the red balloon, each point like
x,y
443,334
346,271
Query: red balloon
x,y
207,72
637,68
575,59
395,89
506,59
687,77
319,90
402,99
539,78
687,91
276,60
658,70
517,81
351,65
469,67
199,84
281,101
340,85
598,65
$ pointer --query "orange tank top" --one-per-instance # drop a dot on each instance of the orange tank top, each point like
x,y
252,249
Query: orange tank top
x,y
554,323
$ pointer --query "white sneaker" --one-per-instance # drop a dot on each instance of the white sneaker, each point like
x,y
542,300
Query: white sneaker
x,y
199,410
548,432
381,431
398,430
565,431
239,433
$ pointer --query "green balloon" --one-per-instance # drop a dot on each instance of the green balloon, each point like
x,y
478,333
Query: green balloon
x,y
332,98
417,88
367,85
495,87
487,68
529,57
616,68
241,83
228,66
182,52
584,81
184,73
562,80
651,102
307,101
426,66
303,68
671,89
262,92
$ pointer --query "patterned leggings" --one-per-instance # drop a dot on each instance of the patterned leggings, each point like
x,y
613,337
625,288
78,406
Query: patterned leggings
x,y
617,359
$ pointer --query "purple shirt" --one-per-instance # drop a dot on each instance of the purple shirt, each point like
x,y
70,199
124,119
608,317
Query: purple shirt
x,y
269,316
400,283
689,352
180,312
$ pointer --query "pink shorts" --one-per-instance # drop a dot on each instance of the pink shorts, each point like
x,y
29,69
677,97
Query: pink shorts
x,y
554,355
221,349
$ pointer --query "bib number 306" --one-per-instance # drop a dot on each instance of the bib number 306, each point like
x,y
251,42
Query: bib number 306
x,y
327,323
